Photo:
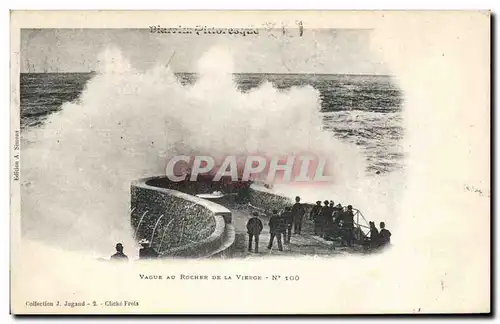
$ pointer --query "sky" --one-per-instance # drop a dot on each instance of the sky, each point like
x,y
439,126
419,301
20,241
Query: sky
x,y
328,51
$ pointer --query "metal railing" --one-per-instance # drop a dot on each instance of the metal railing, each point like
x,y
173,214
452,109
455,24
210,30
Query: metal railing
x,y
359,219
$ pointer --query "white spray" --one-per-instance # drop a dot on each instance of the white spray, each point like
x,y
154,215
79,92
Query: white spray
x,y
77,168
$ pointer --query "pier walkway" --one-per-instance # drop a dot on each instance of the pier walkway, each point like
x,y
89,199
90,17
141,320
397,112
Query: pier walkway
x,y
305,244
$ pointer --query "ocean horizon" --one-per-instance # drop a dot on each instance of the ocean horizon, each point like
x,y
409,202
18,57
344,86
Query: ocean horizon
x,y
362,110
258,73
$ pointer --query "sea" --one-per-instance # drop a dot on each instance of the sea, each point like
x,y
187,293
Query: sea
x,y
364,110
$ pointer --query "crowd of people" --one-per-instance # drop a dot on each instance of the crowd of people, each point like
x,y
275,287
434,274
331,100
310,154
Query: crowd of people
x,y
331,222
145,252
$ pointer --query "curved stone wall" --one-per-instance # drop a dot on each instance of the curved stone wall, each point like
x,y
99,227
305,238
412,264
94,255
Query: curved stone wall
x,y
176,223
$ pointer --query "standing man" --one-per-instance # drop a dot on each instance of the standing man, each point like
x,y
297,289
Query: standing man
x,y
327,217
297,214
315,215
119,255
338,215
373,235
288,218
254,227
384,235
329,224
335,224
349,225
276,228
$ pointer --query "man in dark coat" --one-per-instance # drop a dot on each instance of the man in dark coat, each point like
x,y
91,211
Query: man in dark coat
x,y
254,227
276,228
371,240
298,212
119,255
384,235
147,252
348,227
288,218
326,215
374,236
338,215
316,216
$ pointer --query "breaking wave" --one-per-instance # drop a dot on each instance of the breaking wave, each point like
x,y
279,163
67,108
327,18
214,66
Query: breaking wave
x,y
77,167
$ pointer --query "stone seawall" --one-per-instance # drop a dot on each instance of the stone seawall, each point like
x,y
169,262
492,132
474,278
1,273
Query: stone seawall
x,y
176,223
180,224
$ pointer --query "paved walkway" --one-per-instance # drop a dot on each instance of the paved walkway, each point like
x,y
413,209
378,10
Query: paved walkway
x,y
304,244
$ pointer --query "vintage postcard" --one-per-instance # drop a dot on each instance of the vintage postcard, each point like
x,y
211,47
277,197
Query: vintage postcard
x,y
263,162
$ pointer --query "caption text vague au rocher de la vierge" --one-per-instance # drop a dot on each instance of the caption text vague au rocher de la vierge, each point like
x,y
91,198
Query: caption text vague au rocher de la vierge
x,y
272,277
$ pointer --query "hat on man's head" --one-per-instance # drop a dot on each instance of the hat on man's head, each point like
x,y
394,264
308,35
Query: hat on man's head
x,y
143,241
